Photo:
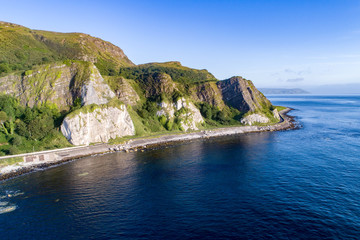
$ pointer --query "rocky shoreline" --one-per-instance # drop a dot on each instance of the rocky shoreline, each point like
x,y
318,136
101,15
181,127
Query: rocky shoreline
x,y
43,160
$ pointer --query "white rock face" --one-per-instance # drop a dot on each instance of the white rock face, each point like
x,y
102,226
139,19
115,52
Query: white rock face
x,y
276,114
254,118
96,91
167,110
98,126
190,118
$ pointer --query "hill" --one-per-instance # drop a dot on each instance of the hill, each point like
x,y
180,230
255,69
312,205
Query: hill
x,y
58,89
22,48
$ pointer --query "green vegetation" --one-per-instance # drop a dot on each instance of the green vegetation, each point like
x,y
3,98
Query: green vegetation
x,y
77,108
177,72
146,114
213,116
10,161
36,60
25,129
280,108
22,48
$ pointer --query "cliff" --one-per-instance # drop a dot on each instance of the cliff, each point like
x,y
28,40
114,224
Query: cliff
x,y
182,111
123,89
242,95
58,83
94,93
97,124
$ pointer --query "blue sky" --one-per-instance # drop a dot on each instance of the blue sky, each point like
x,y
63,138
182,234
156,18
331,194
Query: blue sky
x,y
282,43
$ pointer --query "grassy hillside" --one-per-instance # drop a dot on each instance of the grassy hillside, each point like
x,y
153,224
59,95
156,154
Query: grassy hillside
x,y
21,48
177,72
42,75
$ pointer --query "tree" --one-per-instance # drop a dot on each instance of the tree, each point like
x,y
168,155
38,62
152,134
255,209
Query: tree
x,y
40,127
21,128
3,119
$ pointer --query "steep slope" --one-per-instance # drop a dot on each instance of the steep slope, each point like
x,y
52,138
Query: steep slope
x,y
123,89
243,95
58,83
94,93
21,48
208,92
97,123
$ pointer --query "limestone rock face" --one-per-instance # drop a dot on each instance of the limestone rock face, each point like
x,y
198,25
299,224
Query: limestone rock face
x,y
95,90
100,125
123,89
188,114
57,83
242,95
254,118
190,117
167,109
276,114
47,84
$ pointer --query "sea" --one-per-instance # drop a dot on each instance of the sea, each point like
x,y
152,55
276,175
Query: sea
x,y
294,184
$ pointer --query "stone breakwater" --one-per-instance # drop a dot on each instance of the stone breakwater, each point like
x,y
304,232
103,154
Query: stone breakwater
x,y
41,160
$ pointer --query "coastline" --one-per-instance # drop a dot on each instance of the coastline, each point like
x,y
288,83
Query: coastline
x,y
45,159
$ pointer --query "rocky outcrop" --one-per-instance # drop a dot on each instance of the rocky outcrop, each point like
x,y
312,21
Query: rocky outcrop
x,y
95,90
92,46
166,109
58,84
123,89
208,92
190,117
185,111
157,84
242,95
254,118
97,125
45,84
276,114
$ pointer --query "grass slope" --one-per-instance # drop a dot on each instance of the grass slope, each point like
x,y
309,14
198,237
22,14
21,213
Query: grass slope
x,y
21,48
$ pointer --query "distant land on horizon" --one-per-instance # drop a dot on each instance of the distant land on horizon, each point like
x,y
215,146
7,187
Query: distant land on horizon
x,y
283,91
337,89
330,89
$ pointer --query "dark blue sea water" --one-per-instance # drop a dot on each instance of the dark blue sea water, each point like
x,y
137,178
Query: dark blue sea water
x,y
298,184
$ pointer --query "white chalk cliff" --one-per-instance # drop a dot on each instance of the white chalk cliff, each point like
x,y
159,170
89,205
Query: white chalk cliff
x,y
95,90
100,125
98,122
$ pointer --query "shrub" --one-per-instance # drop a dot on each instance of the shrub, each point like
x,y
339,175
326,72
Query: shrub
x,y
13,150
162,120
169,125
16,140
